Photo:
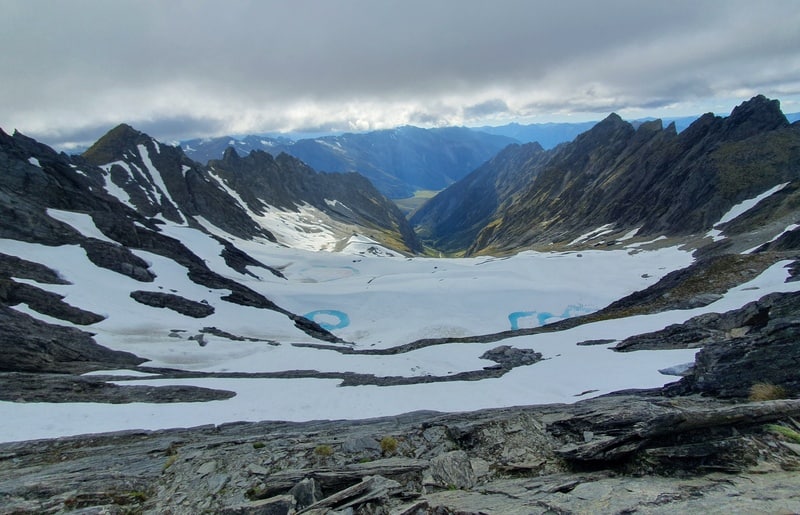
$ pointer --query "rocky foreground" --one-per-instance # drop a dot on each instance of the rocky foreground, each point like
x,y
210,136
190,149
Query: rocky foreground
x,y
710,442
634,452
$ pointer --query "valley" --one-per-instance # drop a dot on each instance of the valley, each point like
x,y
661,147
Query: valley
x,y
142,291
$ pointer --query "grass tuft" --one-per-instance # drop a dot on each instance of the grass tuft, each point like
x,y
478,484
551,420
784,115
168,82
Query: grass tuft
x,y
388,445
323,451
767,392
786,432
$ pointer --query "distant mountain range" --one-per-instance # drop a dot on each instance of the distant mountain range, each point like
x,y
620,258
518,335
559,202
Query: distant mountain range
x,y
498,196
397,161
401,161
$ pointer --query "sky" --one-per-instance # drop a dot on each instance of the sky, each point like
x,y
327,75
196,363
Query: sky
x,y
71,70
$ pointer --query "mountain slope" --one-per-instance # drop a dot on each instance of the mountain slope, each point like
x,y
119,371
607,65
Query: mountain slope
x,y
452,221
614,179
160,181
397,161
286,183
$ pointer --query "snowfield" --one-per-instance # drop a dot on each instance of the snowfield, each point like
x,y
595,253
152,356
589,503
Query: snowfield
x,y
373,298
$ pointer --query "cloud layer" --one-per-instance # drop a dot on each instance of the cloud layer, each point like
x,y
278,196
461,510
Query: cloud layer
x,y
177,69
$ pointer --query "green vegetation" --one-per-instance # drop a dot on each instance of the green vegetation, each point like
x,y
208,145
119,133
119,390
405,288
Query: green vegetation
x,y
755,163
388,445
170,460
786,432
411,204
259,445
767,392
323,451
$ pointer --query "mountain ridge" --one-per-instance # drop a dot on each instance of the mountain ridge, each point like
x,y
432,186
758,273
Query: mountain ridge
x,y
397,161
648,178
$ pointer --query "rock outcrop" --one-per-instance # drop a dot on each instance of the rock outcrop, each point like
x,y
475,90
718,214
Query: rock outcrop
x,y
623,453
30,345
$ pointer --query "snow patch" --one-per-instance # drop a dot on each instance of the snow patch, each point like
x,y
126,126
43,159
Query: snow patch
x,y
374,303
629,235
739,209
81,222
596,233
156,175
34,161
644,243
789,228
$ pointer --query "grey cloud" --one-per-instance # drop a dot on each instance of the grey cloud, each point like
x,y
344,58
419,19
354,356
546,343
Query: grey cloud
x,y
487,108
269,65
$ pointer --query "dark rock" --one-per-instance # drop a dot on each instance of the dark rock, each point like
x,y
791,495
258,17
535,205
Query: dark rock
x,y
730,368
46,303
42,387
510,357
279,505
306,493
118,259
595,342
239,260
30,345
453,469
653,179
12,266
645,452
174,302
286,182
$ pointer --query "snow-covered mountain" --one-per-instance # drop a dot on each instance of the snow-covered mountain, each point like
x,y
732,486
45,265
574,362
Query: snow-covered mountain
x,y
136,283
280,199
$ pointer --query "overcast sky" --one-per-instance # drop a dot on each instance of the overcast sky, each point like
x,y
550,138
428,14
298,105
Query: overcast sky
x,y
71,70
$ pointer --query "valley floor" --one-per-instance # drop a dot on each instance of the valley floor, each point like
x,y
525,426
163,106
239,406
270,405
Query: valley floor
x,y
375,300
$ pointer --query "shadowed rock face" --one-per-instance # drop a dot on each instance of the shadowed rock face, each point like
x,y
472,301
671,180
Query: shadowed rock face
x,y
174,302
651,178
30,345
286,182
259,179
33,179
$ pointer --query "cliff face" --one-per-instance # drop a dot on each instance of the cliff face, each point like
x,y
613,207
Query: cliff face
x,y
649,178
285,182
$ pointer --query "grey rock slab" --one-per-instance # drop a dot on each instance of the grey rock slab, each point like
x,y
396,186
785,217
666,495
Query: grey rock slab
x,y
453,469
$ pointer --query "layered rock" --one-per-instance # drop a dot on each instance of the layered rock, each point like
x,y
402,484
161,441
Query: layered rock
x,y
618,453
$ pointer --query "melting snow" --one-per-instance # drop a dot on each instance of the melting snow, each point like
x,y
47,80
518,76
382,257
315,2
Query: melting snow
x,y
155,174
600,231
789,228
629,234
741,208
81,222
375,303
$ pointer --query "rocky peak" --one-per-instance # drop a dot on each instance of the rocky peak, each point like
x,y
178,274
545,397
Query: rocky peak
x,y
230,155
114,143
759,114
610,129
651,126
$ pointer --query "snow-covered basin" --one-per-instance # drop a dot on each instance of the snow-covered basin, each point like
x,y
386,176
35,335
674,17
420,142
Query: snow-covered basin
x,y
388,301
